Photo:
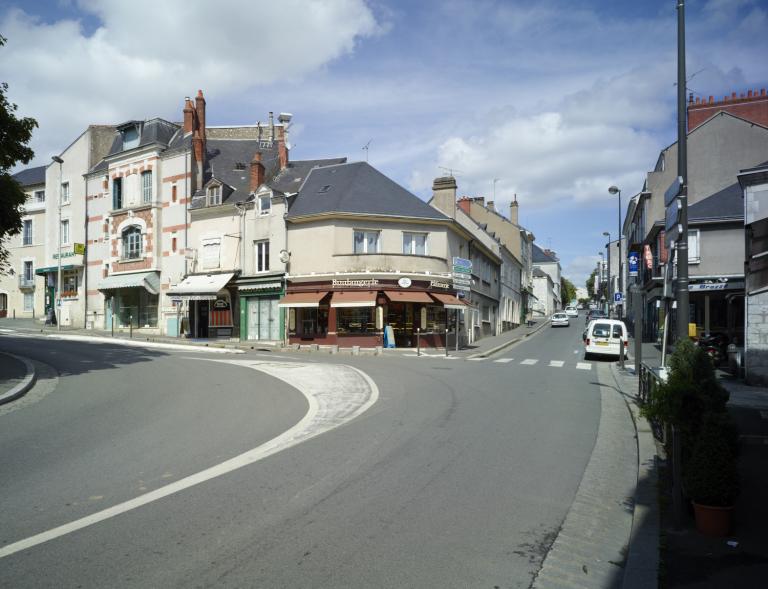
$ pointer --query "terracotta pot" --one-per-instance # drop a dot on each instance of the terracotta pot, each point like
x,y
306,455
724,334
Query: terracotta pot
x,y
713,521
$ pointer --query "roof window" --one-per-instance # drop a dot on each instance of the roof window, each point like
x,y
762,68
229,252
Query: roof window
x,y
239,166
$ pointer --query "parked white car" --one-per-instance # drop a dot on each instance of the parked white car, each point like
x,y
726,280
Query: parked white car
x,y
560,319
571,311
603,337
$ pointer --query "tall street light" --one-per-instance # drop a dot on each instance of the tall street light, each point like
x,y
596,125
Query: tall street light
x,y
601,265
57,299
608,290
617,190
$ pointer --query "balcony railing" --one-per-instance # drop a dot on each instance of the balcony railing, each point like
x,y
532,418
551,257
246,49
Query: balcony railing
x,y
26,282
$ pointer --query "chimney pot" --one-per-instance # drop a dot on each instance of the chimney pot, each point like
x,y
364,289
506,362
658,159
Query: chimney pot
x,y
257,172
733,95
491,206
690,97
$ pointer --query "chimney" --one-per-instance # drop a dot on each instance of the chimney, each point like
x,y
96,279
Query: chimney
x,y
444,195
464,204
490,206
282,141
200,108
271,126
513,211
189,115
198,139
257,172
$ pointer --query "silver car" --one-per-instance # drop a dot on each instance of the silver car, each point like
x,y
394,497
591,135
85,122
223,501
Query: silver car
x,y
560,319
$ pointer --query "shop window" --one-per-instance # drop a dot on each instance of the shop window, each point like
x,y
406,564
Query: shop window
x,y
135,306
211,253
355,320
132,246
415,244
69,284
366,242
311,322
436,317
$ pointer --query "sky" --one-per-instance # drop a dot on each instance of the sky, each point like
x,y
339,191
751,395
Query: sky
x,y
549,102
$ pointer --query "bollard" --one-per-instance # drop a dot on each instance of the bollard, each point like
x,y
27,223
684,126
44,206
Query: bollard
x,y
446,341
418,341
621,352
14,313
113,326
130,326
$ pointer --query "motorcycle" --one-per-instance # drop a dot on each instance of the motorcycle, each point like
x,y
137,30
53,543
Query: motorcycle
x,y
715,345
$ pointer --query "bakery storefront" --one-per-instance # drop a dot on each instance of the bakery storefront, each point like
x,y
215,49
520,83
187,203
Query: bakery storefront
x,y
371,312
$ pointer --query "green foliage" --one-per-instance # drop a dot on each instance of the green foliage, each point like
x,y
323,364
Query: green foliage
x,y
710,474
15,134
567,291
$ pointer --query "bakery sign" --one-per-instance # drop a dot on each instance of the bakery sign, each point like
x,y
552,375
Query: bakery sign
x,y
438,284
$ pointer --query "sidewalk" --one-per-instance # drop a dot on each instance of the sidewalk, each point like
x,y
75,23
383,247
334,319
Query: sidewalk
x,y
493,344
17,376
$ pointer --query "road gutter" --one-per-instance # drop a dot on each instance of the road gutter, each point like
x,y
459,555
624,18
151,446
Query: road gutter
x,y
505,345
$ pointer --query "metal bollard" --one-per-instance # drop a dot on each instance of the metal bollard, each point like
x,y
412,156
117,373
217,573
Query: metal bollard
x,y
446,341
130,326
113,326
418,341
621,353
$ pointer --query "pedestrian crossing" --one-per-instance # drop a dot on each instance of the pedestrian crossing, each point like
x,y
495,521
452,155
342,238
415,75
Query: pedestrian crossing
x,y
517,362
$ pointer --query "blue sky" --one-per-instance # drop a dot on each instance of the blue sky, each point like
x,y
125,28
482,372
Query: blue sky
x,y
557,99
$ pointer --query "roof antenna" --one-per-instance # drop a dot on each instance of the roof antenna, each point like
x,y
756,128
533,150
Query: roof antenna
x,y
365,148
450,170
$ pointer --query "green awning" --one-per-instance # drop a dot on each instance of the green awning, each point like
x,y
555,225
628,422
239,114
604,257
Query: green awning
x,y
147,280
48,269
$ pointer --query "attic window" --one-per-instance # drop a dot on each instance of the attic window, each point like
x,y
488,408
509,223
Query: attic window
x,y
239,166
214,195
130,137
324,189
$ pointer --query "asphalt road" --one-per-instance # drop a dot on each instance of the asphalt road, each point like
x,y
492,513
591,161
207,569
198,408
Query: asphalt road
x,y
459,475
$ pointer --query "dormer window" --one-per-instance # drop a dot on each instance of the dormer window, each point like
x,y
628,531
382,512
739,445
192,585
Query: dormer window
x,y
214,195
239,166
130,137
265,204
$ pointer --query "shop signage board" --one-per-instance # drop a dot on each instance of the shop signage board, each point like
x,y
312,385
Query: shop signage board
x,y
634,263
78,248
404,282
461,287
462,270
463,262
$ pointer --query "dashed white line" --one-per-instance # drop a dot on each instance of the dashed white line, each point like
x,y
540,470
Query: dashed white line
x,y
583,365
556,363
529,361
477,359
504,360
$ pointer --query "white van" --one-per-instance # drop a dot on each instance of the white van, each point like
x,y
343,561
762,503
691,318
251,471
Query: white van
x,y
603,336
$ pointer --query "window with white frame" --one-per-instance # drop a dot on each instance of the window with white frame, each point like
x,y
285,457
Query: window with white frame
x,y
415,244
214,195
69,283
211,253
26,234
39,196
146,186
65,232
29,271
132,243
29,301
65,193
265,204
694,249
261,250
366,242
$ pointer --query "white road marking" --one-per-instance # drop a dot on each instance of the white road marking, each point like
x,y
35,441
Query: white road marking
x,y
529,361
583,365
7,330
336,395
556,363
504,360
576,351
192,349
476,359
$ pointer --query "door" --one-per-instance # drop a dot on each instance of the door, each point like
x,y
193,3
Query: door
x,y
253,318
263,319
108,313
202,318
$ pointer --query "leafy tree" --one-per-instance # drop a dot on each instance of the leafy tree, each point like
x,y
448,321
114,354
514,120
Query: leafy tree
x,y
15,134
567,291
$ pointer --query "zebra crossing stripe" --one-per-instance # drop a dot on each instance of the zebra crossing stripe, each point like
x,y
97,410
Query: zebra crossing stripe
x,y
556,363
504,360
583,365
529,361
477,359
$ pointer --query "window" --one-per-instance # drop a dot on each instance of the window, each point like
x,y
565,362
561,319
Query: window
x,y
117,193
214,195
65,193
211,252
173,243
26,238
65,232
146,186
366,242
355,320
262,256
173,193
130,138
132,246
415,244
29,301
69,284
486,314
265,203
694,254
39,196
29,271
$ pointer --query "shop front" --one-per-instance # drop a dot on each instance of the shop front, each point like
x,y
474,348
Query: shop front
x,y
208,305
131,300
260,317
371,313
717,306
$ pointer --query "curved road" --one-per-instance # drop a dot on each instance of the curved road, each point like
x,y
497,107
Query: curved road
x,y
459,475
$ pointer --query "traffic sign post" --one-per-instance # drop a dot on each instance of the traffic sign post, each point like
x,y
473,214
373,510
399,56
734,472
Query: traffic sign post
x,y
618,298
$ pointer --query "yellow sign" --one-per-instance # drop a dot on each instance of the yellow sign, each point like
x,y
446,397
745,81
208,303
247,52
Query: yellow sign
x,y
691,330
79,248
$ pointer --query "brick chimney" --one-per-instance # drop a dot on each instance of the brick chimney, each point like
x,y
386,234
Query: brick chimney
x,y
752,106
257,172
189,115
200,108
282,152
490,206
198,139
444,195
513,211
464,203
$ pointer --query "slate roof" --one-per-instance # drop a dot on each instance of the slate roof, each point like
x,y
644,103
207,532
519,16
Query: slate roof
x,y
727,203
289,180
357,188
539,273
539,257
30,176
152,131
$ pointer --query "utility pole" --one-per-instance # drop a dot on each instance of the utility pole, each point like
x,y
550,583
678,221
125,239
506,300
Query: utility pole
x,y
57,298
682,171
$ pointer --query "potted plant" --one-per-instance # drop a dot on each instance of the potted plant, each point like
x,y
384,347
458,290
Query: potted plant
x,y
710,475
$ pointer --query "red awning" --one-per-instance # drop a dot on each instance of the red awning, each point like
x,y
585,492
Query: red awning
x,y
407,296
449,301
301,299
354,298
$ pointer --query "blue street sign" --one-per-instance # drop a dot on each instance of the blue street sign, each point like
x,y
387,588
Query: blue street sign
x,y
634,263
618,297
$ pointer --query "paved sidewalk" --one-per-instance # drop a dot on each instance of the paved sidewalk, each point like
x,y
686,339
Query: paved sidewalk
x,y
12,372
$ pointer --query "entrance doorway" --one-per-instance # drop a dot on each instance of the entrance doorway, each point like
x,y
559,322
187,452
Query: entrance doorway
x,y
263,319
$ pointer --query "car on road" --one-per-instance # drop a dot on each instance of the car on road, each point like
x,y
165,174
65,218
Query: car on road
x,y
605,337
571,311
560,319
596,314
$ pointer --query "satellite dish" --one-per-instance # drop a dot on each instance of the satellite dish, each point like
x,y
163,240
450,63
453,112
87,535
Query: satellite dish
x,y
285,255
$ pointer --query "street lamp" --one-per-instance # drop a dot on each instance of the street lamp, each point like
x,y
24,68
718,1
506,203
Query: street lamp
x,y
600,274
617,190
608,290
57,299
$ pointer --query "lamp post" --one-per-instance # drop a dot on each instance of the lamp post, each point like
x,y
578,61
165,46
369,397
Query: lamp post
x,y
57,299
608,290
617,190
600,274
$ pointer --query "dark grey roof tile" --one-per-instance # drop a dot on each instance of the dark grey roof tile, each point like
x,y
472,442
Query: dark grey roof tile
x,y
726,203
30,176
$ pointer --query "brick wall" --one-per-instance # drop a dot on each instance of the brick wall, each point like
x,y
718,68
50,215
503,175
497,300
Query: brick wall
x,y
752,106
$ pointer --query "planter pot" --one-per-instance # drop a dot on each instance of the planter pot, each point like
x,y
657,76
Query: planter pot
x,y
713,521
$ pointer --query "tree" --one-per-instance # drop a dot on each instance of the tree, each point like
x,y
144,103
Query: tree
x,y
567,291
15,134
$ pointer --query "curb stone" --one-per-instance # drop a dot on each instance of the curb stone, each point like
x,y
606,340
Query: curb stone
x,y
505,345
24,386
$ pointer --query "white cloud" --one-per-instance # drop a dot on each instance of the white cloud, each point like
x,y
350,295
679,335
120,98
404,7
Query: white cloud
x,y
578,269
145,56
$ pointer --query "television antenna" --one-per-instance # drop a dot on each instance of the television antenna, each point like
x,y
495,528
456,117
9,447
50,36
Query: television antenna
x,y
365,148
450,170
